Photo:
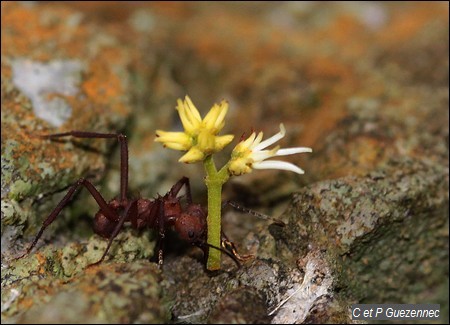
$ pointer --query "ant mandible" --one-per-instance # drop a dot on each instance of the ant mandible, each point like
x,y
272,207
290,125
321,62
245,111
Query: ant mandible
x,y
160,213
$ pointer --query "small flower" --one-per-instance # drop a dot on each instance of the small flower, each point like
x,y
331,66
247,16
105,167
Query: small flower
x,y
249,154
200,137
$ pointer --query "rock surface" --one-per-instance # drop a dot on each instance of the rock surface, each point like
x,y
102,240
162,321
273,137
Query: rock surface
x,y
364,84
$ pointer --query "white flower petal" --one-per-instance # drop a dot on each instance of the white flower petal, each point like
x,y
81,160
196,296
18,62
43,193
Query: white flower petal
x,y
272,139
276,164
262,155
257,140
292,151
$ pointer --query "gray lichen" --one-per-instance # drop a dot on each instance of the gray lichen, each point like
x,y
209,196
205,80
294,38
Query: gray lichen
x,y
40,81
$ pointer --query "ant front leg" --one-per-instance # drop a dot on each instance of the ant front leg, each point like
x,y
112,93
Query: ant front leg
x,y
105,208
229,246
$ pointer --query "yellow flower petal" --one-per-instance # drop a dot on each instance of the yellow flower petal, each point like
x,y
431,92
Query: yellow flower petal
x,y
163,136
174,140
214,120
192,109
206,142
192,156
189,116
223,111
176,146
199,138
222,141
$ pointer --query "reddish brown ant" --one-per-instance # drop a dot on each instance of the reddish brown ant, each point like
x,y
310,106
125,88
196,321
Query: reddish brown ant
x,y
160,213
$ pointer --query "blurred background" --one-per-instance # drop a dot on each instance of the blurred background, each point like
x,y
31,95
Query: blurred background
x,y
313,66
364,84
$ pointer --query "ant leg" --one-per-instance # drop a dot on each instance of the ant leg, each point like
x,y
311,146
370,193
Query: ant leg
x,y
253,213
231,255
161,251
177,187
231,248
229,245
66,199
131,210
161,232
123,152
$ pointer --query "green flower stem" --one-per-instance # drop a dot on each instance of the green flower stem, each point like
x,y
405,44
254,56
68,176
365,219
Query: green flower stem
x,y
214,182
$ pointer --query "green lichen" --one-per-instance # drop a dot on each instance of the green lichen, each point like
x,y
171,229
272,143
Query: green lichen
x,y
47,169
19,189
14,213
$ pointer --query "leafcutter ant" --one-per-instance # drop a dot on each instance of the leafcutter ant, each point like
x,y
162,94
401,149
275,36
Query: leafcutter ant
x,y
160,213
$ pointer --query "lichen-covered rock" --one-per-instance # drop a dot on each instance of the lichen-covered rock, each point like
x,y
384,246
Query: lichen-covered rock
x,y
109,293
58,74
365,85
52,265
384,233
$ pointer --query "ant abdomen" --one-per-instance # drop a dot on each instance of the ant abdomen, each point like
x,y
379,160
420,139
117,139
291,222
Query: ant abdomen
x,y
103,226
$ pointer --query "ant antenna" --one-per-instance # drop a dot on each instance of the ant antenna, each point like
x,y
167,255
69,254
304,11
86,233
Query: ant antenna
x,y
255,213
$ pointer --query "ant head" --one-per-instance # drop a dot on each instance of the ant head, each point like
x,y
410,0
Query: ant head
x,y
191,225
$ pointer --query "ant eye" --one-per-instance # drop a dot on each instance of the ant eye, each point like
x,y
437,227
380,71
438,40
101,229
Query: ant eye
x,y
191,234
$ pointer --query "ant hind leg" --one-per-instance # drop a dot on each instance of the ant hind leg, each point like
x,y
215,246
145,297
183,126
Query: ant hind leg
x,y
64,202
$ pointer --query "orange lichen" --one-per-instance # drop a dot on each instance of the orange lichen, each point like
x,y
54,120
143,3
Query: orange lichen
x,y
214,39
24,31
42,262
171,9
350,36
41,259
26,303
328,68
101,85
410,20
367,151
